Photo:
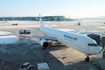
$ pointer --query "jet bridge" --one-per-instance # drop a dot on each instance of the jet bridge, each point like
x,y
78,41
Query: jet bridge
x,y
95,37
103,44
100,39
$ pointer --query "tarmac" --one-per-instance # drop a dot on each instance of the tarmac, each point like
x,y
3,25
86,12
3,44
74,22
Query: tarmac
x,y
58,56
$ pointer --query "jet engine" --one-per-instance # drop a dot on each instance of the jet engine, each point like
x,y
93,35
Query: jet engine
x,y
44,43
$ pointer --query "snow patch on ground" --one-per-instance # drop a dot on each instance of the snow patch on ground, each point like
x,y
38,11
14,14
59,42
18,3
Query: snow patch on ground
x,y
101,27
4,33
67,30
21,26
5,38
8,39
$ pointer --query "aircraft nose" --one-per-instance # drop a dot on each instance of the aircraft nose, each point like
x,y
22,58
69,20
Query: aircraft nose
x,y
99,50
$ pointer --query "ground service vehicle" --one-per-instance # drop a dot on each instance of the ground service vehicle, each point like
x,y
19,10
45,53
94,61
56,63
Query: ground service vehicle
x,y
25,66
24,31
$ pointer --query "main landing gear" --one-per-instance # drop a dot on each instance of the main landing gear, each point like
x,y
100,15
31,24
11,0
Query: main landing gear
x,y
87,58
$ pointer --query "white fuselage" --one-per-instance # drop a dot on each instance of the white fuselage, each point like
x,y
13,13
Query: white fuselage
x,y
75,41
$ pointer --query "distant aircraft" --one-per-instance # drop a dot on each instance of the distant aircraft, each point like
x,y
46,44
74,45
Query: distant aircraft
x,y
79,42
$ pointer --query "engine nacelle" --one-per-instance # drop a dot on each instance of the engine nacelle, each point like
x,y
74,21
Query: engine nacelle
x,y
44,43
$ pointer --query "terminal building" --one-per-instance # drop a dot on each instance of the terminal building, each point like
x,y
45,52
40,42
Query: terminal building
x,y
45,18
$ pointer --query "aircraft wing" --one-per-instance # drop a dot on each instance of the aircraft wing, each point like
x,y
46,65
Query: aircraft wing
x,y
41,37
47,38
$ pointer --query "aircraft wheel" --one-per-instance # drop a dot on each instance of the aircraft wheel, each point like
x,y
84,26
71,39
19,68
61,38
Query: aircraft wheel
x,y
87,59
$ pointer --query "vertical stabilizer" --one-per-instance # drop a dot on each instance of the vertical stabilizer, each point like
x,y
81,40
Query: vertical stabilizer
x,y
41,23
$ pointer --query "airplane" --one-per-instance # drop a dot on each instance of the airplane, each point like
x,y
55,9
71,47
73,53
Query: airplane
x,y
78,42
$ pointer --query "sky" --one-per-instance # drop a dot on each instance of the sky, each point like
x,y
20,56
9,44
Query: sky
x,y
67,8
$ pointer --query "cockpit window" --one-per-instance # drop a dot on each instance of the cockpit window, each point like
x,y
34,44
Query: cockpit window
x,y
91,44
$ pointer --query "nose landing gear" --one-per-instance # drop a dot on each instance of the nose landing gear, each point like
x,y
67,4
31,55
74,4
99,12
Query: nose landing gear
x,y
87,58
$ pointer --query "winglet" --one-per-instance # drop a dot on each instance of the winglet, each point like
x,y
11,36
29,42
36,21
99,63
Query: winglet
x,y
41,23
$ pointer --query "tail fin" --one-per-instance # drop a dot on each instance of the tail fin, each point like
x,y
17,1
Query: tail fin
x,y
41,23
